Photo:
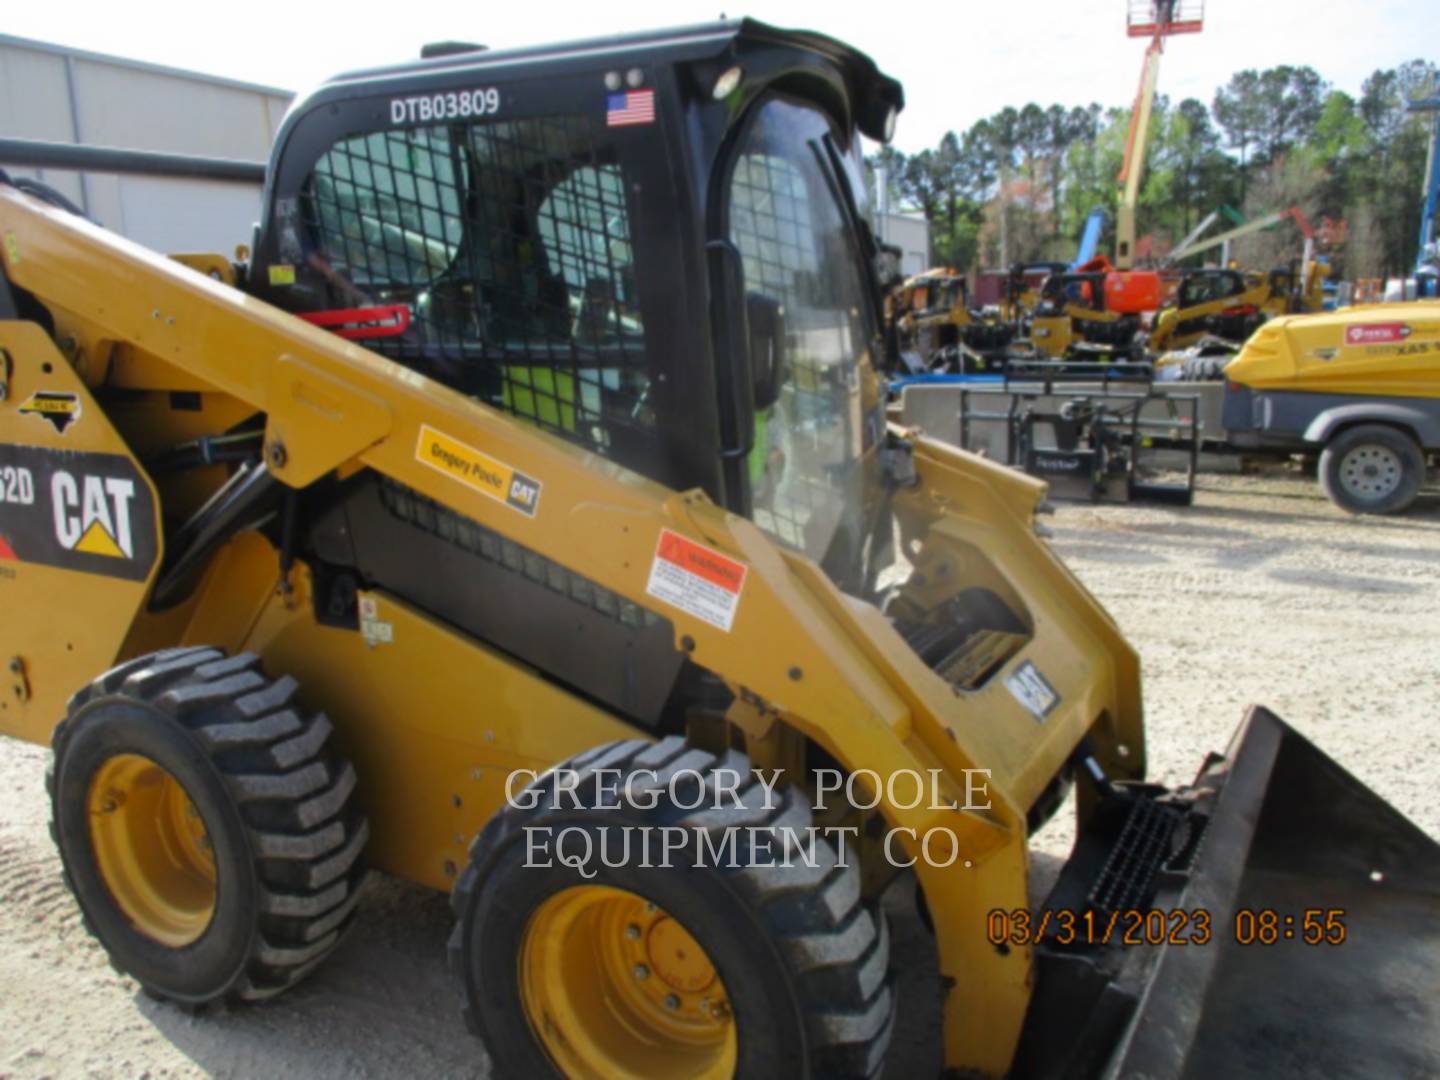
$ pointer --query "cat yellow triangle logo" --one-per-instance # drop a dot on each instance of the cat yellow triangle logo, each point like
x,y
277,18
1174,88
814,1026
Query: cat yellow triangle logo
x,y
97,541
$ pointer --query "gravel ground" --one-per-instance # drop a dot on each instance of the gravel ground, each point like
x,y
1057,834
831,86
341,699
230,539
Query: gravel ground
x,y
1261,592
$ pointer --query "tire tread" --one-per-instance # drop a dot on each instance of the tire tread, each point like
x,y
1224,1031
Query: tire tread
x,y
309,847
836,948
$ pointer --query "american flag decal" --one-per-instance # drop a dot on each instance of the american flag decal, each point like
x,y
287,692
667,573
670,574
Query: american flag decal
x,y
631,107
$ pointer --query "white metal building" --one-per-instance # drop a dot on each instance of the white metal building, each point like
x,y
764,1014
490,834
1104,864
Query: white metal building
x,y
58,94
911,234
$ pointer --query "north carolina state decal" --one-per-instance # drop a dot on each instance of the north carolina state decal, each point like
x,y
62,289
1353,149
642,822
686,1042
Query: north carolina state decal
x,y
60,410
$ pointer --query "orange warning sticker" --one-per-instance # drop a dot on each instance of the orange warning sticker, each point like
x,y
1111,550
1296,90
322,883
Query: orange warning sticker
x,y
698,580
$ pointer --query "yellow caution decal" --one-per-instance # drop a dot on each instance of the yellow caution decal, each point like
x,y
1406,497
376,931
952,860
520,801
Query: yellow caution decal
x,y
478,470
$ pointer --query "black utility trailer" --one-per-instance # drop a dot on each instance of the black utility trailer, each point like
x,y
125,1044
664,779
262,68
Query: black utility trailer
x,y
1093,430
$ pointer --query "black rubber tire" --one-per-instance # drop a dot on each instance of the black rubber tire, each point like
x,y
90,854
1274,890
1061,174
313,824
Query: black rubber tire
x,y
279,808
804,960
1412,468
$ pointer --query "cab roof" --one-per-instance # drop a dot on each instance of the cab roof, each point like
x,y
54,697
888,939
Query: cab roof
x,y
873,92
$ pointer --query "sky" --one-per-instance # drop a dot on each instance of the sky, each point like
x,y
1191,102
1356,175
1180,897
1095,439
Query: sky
x,y
967,60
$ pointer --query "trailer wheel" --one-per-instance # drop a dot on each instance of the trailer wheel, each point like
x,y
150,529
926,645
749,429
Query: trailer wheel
x,y
613,967
210,837
1372,469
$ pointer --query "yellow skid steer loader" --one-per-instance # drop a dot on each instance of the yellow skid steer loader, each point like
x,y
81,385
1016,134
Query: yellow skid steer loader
x,y
520,518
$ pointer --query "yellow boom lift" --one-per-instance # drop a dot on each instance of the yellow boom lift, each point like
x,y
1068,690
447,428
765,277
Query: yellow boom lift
x,y
520,518
1157,20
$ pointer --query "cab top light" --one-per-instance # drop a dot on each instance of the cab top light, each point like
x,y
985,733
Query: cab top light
x,y
727,83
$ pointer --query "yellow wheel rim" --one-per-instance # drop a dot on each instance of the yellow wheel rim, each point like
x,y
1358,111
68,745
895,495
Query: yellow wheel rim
x,y
152,849
615,988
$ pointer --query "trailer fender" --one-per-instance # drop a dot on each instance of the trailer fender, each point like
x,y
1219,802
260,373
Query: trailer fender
x,y
1420,419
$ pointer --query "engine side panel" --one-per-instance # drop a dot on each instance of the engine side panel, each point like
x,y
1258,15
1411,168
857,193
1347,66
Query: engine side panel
x,y
575,630
434,723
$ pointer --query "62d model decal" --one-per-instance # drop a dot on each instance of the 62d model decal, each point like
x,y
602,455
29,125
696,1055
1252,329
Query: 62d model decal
x,y
77,511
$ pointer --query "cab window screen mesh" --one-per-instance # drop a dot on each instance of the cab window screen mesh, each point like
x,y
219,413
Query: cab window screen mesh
x,y
508,244
388,208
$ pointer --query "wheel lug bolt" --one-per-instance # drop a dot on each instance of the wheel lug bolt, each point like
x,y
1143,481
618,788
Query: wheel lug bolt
x,y
642,972
672,1002
632,932
650,909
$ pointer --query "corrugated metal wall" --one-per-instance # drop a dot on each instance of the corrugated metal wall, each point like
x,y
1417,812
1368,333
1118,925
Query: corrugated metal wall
x,y
911,234
65,95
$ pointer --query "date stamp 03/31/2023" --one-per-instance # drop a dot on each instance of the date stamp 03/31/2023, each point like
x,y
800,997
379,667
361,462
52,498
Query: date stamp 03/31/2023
x,y
1177,926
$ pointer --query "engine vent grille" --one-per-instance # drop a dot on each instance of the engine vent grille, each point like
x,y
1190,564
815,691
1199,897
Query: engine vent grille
x,y
408,505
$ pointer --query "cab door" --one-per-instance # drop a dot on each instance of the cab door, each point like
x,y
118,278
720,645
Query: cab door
x,y
811,321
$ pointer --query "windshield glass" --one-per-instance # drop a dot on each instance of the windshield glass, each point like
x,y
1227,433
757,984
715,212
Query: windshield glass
x,y
814,481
